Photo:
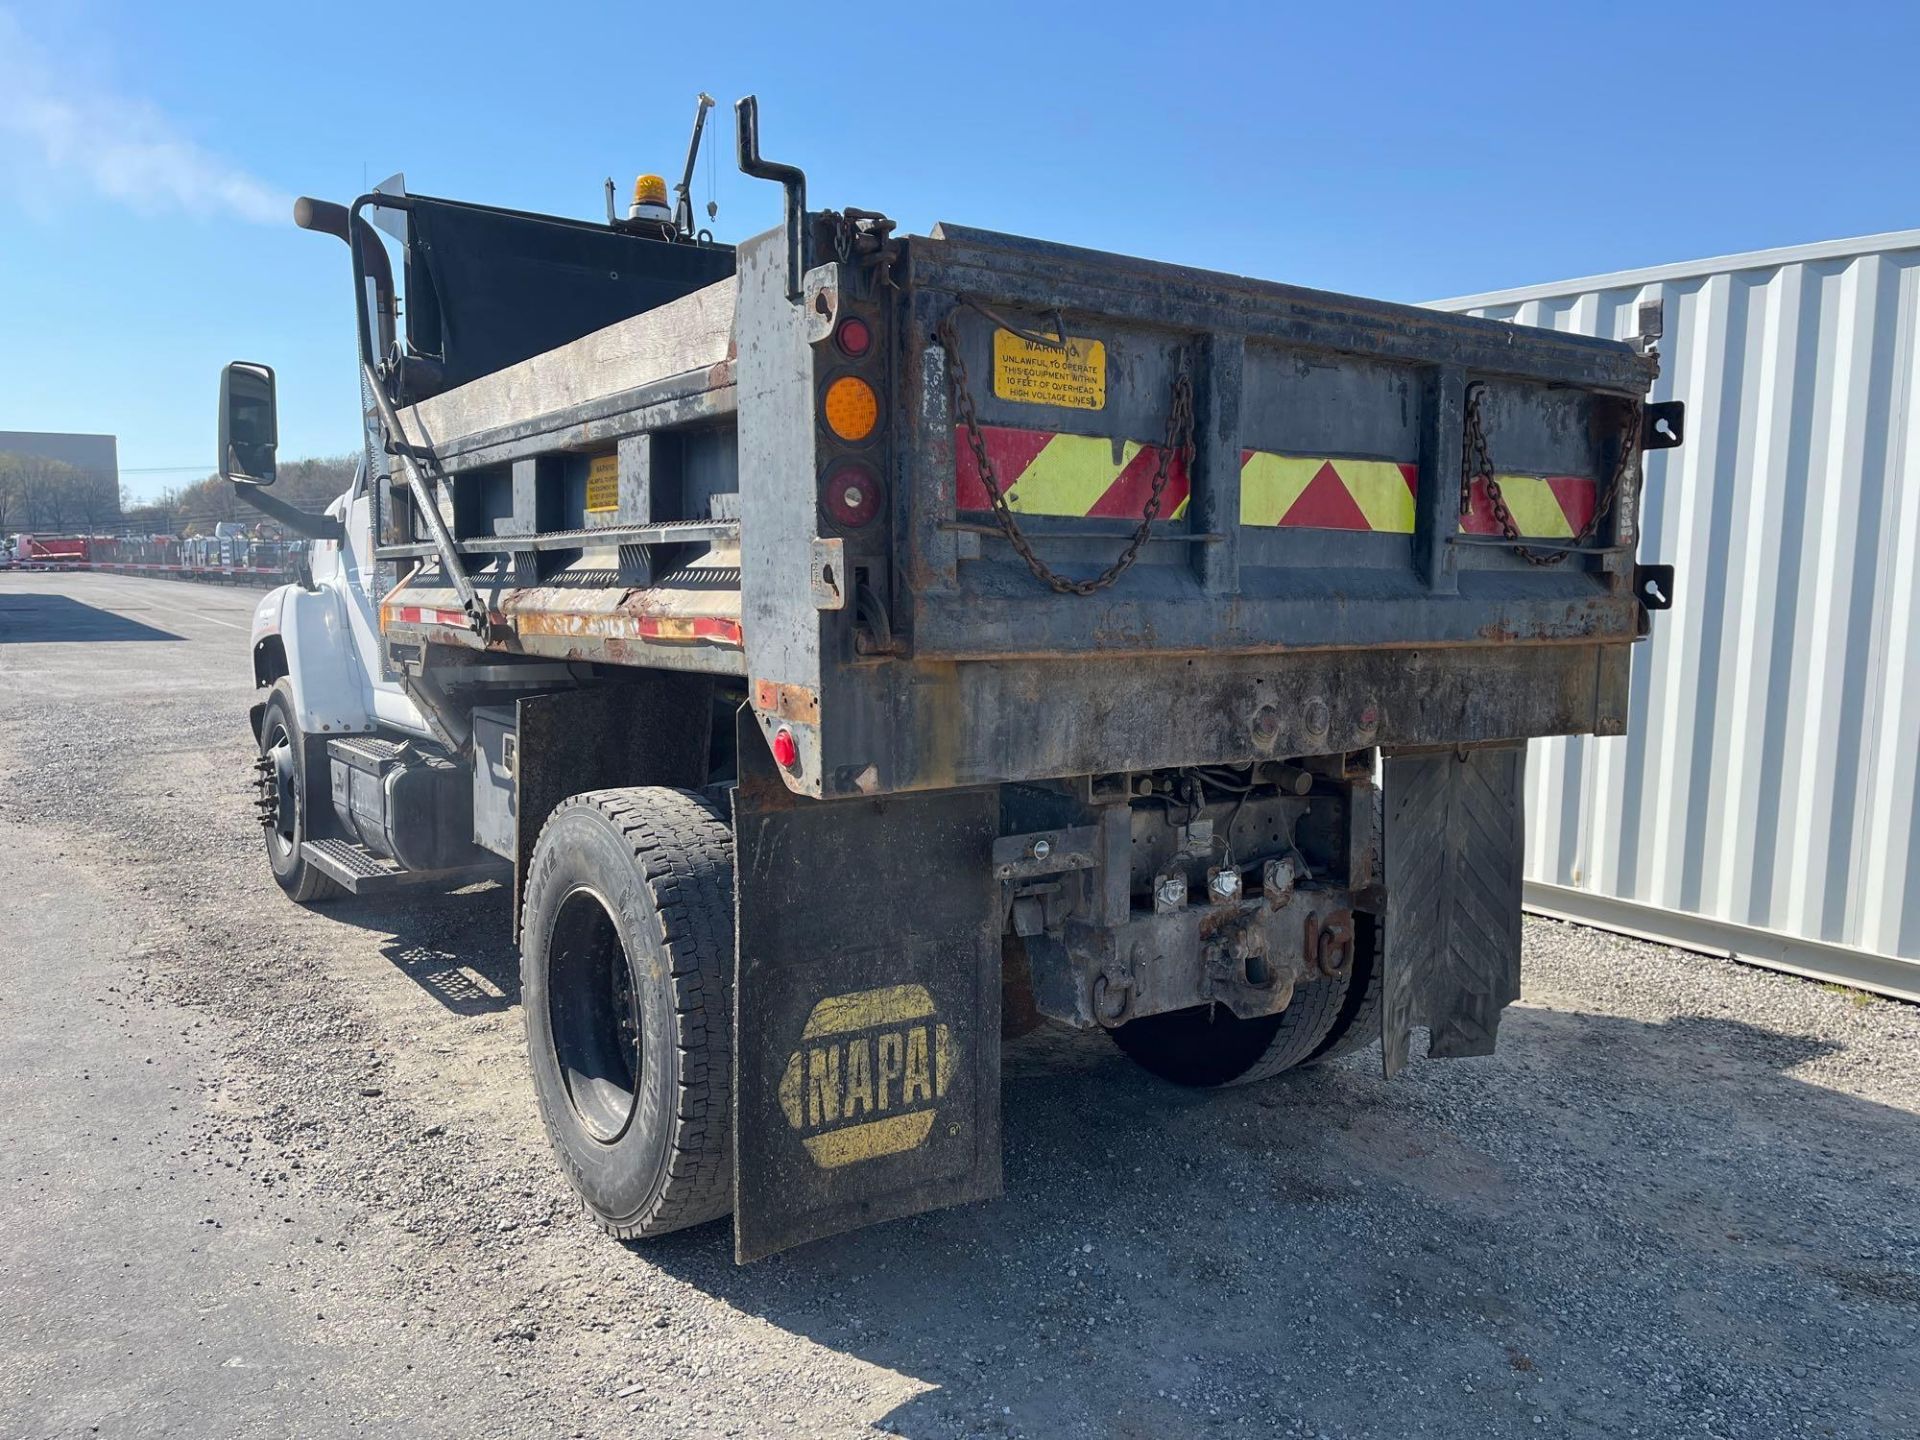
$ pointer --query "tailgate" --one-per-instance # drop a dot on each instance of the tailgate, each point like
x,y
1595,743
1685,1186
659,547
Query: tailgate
x,y
1331,489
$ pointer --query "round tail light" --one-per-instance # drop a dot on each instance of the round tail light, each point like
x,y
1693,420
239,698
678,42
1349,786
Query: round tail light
x,y
854,337
852,495
786,754
852,409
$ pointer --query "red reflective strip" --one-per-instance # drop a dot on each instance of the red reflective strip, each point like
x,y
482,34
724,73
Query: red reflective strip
x,y
1011,451
1126,498
699,627
1326,504
1479,517
1577,498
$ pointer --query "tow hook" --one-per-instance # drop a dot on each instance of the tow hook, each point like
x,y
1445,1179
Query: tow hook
x,y
1111,998
1330,943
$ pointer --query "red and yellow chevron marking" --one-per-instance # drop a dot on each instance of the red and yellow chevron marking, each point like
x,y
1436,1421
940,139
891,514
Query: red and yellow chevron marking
x,y
1544,507
1315,493
1046,472
421,615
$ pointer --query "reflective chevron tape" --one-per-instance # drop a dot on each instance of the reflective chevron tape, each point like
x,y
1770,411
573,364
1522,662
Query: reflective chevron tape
x,y
422,615
687,629
1544,507
1043,472
1049,473
1321,494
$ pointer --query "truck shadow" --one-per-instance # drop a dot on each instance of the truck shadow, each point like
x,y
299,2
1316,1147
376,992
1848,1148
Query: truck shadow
x,y
49,619
454,944
1611,1224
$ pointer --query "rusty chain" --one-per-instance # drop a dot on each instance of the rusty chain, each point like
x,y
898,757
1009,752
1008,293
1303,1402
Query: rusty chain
x,y
1179,435
1477,464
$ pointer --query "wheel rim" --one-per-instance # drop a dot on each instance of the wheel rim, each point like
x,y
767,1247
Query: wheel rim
x,y
593,1014
279,797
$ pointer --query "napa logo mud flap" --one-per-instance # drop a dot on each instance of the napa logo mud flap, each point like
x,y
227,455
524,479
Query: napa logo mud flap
x,y
869,1076
866,1056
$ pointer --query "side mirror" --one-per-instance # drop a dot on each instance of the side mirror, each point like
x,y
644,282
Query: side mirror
x,y
249,424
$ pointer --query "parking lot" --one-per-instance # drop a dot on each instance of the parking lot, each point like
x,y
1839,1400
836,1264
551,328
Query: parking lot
x,y
274,1171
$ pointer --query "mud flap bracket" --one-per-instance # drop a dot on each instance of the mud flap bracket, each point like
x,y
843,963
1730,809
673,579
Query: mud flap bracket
x,y
1454,849
866,1069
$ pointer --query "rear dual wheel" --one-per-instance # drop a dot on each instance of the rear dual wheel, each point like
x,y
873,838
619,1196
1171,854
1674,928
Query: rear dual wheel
x,y
626,987
1210,1046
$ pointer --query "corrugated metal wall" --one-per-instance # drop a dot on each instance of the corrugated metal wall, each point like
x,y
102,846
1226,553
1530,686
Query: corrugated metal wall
x,y
1765,799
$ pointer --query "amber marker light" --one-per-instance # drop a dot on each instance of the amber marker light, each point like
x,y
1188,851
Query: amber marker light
x,y
851,408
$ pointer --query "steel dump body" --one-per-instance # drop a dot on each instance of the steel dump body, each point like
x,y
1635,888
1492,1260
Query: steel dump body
x,y
651,496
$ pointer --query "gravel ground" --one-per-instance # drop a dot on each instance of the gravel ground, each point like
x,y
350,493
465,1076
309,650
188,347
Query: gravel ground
x,y
1679,1202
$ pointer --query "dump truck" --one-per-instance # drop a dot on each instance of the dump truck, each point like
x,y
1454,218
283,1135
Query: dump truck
x,y
855,648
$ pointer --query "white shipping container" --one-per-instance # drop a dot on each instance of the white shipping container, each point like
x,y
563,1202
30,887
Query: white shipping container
x,y
1764,800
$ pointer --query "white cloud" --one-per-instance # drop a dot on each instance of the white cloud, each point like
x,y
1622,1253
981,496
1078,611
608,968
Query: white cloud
x,y
58,130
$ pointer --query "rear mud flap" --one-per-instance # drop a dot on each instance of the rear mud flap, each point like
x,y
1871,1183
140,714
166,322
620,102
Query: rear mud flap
x,y
866,1069
1454,848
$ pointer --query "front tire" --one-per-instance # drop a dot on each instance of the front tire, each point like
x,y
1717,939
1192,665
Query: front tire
x,y
626,987
291,775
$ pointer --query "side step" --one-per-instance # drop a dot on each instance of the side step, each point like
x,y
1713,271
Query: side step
x,y
357,869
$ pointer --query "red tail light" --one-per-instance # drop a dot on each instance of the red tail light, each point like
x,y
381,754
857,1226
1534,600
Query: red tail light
x,y
852,495
854,337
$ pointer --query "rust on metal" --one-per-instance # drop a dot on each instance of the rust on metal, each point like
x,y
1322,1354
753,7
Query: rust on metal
x,y
790,702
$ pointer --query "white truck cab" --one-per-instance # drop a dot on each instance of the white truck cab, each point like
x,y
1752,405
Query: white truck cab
x,y
323,637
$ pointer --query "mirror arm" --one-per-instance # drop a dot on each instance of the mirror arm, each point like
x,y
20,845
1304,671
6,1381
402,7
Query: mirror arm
x,y
401,446
301,522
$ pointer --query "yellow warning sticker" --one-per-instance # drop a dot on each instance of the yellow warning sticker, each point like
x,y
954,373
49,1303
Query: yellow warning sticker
x,y
1035,374
868,1076
603,484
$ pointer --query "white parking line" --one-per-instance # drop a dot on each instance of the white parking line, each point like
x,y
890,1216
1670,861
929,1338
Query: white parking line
x,y
145,601
201,615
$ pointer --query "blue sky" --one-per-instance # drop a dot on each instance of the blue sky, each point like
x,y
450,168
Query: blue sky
x,y
149,153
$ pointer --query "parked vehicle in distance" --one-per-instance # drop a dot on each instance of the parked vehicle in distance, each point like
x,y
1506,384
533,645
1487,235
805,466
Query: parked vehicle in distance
x,y
852,647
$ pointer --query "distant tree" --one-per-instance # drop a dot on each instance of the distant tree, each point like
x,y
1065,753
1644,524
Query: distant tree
x,y
311,484
93,501
155,517
43,489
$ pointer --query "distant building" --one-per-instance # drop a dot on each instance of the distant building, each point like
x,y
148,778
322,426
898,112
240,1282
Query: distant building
x,y
40,497
92,454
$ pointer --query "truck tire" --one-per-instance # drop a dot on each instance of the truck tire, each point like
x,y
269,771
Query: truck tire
x,y
626,945
292,772
1210,1046
1358,1024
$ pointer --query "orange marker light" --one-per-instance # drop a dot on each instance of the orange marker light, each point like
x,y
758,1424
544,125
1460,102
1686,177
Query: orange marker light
x,y
851,407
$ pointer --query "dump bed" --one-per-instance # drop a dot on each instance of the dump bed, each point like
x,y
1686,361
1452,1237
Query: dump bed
x,y
1350,523
1325,503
